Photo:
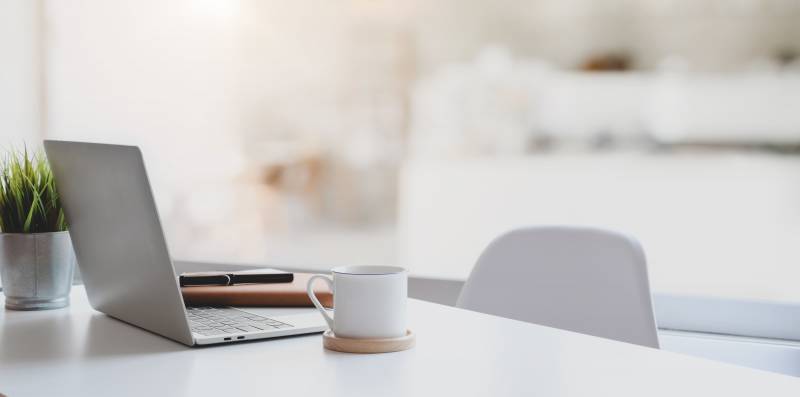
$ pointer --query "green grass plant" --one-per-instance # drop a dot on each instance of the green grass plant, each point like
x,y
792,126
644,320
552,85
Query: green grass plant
x,y
29,201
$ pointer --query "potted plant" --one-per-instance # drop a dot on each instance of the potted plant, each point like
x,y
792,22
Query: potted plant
x,y
36,258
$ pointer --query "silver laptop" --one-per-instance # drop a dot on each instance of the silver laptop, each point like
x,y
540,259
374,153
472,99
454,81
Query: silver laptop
x,y
123,256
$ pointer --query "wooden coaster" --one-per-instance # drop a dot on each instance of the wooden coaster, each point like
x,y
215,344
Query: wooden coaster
x,y
368,346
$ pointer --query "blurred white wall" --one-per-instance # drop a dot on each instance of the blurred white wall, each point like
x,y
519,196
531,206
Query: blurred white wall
x,y
161,75
20,73
157,74
214,89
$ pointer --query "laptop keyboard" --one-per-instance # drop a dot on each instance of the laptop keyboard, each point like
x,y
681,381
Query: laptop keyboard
x,y
211,321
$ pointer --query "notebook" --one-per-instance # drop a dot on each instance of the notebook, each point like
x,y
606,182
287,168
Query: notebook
x,y
274,294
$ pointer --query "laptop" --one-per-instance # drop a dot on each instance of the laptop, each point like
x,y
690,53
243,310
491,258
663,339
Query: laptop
x,y
123,257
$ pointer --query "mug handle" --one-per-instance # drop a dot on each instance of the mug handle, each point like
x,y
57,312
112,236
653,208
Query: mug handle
x,y
315,301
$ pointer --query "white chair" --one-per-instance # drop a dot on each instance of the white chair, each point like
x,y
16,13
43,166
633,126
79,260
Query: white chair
x,y
585,280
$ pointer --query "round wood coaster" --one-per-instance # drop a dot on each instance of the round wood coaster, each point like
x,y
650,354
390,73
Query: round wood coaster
x,y
368,346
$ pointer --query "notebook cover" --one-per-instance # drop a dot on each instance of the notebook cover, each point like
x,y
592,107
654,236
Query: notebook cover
x,y
274,294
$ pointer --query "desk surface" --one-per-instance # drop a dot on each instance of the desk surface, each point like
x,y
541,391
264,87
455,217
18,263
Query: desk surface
x,y
77,351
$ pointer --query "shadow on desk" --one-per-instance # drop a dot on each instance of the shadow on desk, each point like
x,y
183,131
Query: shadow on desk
x,y
107,336
64,336
52,335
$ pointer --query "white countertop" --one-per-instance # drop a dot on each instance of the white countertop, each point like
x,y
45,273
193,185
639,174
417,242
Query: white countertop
x,y
680,206
78,351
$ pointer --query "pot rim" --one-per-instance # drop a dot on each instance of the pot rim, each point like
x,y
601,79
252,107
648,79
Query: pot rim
x,y
32,234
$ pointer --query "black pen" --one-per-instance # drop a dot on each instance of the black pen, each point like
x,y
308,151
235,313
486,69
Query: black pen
x,y
259,276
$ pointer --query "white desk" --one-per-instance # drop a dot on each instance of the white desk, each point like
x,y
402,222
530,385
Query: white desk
x,y
80,352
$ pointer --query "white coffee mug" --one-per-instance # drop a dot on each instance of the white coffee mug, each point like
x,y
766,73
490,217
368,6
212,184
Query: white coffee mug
x,y
369,302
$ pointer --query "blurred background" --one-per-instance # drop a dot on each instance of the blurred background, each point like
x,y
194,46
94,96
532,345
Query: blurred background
x,y
318,133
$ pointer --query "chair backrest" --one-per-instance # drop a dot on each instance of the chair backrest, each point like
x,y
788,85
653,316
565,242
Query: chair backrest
x,y
585,280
